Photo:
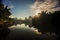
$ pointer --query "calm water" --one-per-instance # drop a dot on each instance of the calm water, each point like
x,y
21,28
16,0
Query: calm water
x,y
22,32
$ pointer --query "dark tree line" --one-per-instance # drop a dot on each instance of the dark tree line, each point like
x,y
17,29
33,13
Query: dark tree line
x,y
47,22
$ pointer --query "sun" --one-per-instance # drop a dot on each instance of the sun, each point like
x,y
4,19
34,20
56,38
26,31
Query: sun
x,y
37,11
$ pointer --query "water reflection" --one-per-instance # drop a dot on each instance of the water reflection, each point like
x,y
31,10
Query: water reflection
x,y
22,26
25,32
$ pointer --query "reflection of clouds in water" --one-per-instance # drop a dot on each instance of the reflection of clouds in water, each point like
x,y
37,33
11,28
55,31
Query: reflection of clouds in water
x,y
26,27
26,31
36,30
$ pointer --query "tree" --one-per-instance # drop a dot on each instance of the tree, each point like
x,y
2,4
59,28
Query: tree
x,y
4,12
47,22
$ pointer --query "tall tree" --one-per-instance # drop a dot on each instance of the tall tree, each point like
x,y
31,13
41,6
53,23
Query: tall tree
x,y
48,22
4,11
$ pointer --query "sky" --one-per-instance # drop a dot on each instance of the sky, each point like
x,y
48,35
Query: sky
x,y
19,8
46,6
22,8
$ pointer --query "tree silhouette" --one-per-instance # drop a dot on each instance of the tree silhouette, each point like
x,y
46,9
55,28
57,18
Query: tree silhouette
x,y
4,11
47,22
5,21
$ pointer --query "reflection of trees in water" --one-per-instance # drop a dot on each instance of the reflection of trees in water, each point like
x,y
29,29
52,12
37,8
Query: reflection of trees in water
x,y
47,22
5,21
25,24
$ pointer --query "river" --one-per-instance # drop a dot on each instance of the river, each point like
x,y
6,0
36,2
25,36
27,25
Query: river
x,y
22,32
18,32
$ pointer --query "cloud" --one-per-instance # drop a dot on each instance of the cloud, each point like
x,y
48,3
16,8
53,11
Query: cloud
x,y
45,5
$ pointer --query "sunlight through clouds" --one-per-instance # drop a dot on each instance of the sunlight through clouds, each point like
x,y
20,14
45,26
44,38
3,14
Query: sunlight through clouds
x,y
46,5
